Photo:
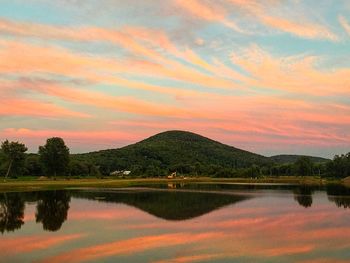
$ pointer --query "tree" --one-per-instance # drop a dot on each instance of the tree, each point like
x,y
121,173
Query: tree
x,y
304,166
255,171
14,154
54,156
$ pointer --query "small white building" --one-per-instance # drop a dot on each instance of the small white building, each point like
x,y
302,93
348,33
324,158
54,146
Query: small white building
x,y
172,175
120,173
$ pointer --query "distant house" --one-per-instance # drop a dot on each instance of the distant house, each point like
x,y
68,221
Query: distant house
x,y
116,173
172,175
123,172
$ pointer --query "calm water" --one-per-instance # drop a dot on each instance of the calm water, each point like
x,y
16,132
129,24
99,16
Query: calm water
x,y
177,223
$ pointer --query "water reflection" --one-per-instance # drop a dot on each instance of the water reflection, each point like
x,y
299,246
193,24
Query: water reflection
x,y
303,195
339,194
52,209
190,202
186,224
11,212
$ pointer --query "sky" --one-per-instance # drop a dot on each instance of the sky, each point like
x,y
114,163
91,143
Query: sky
x,y
268,76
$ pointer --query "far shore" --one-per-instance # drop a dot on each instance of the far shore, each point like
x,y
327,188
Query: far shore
x,y
32,184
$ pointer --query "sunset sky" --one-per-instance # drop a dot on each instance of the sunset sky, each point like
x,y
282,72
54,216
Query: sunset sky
x,y
268,76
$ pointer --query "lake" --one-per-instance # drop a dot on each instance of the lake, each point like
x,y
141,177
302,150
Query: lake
x,y
177,223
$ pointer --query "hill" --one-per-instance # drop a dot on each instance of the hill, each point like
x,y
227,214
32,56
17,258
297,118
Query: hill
x,y
288,158
180,151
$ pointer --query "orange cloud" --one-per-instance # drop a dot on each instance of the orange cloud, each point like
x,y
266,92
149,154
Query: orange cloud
x,y
28,107
119,103
80,136
38,59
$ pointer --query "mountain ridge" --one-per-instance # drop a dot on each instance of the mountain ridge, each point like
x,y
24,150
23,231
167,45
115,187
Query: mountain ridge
x,y
291,158
175,150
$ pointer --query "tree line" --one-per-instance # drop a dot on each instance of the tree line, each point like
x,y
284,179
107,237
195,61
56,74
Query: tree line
x,y
54,159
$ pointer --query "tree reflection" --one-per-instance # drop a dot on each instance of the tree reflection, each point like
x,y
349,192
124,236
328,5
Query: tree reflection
x,y
52,209
303,195
11,212
339,194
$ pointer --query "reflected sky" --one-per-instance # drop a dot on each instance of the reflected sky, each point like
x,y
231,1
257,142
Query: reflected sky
x,y
292,224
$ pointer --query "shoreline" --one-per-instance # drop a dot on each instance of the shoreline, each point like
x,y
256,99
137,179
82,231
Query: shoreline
x,y
64,183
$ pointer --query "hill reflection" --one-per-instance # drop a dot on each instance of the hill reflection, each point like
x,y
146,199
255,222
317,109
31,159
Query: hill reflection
x,y
168,205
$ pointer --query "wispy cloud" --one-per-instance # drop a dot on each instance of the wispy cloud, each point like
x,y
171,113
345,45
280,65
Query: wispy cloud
x,y
290,73
209,11
260,10
345,24
243,72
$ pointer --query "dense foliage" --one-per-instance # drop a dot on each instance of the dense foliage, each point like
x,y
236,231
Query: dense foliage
x,y
340,166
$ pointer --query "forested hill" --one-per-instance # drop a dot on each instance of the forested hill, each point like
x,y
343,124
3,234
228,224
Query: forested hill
x,y
173,151
285,158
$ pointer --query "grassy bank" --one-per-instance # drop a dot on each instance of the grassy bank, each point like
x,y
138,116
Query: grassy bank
x,y
31,183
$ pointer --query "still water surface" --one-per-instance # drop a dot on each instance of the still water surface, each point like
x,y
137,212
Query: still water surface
x,y
177,223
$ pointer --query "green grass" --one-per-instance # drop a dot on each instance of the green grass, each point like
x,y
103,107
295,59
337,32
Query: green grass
x,y
32,183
